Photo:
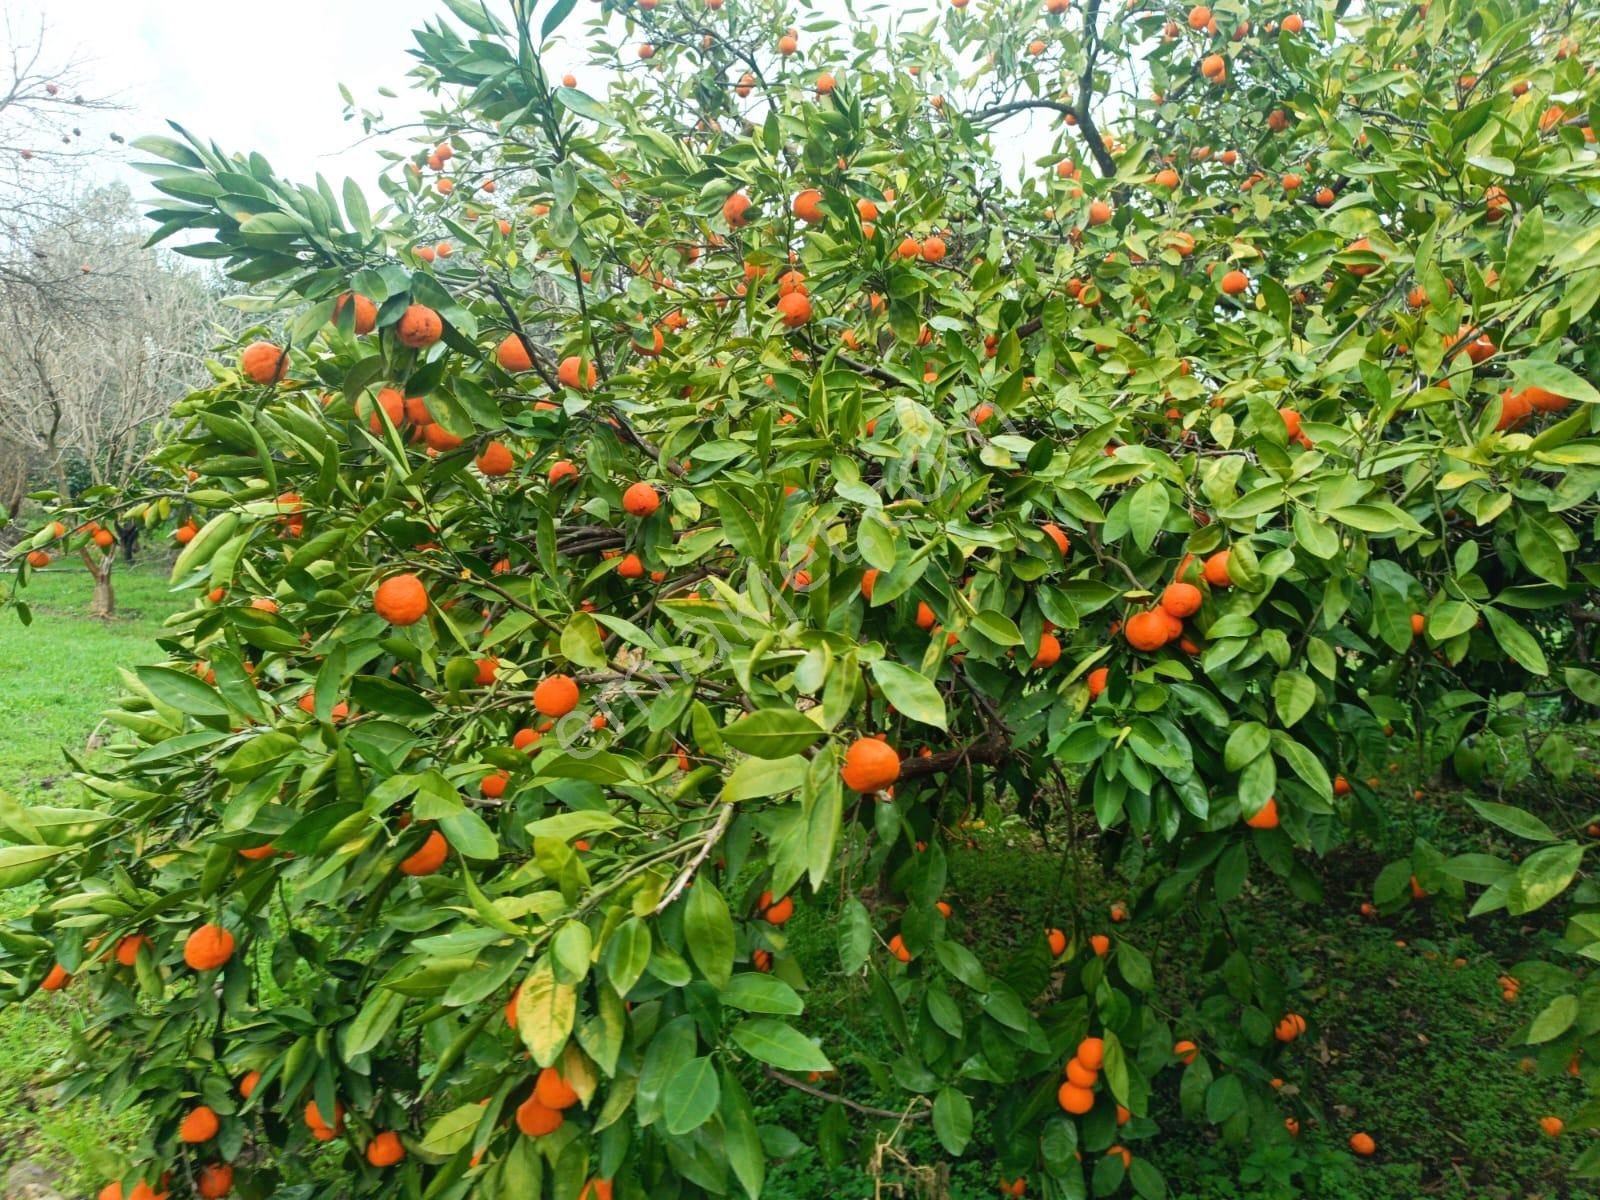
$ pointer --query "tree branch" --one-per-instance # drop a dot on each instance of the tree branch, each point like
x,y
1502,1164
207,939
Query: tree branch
x,y
990,752
712,836
864,1109
1091,135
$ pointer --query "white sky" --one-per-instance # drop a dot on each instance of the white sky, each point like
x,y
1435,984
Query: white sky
x,y
259,76
265,76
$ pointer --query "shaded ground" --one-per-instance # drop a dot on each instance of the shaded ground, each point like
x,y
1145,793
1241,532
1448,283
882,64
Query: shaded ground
x,y
1409,1036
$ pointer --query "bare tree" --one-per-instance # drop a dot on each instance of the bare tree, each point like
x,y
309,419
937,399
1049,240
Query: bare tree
x,y
88,372
44,107
86,375
44,103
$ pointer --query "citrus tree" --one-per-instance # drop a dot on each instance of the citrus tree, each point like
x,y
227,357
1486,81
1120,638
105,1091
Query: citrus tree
x,y
699,486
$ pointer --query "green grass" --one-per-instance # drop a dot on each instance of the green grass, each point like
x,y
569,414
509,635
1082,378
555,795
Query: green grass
x,y
57,675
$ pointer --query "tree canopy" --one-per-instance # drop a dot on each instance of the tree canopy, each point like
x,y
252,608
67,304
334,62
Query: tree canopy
x,y
697,487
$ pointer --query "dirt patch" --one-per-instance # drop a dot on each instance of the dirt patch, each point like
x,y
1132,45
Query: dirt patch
x,y
28,1181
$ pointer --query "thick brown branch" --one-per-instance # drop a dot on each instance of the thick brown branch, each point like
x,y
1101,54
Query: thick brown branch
x,y
1091,135
867,369
991,752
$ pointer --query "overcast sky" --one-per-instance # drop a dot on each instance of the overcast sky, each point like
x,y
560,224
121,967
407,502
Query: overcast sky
x,y
265,76
248,76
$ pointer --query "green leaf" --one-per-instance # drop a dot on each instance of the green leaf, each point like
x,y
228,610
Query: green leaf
x,y
257,755
24,864
1516,641
1525,252
1147,512
855,936
1369,518
374,1020
1313,535
204,544
372,694
570,951
1116,1067
876,539
961,963
183,691
1539,372
451,1131
911,693
1587,1164
584,105
708,929
1248,742
741,1139
1194,1087
773,733
568,825
167,148
998,628
355,207
1293,694
1540,551
762,994
557,14
1148,1182
474,15
1542,877
469,834
1058,1145
673,1045
1224,1097
545,1013
42,824
1451,618
1558,1017
1513,820
1135,967
757,777
952,1119
1583,684
626,954
779,1044
692,1095
1303,763
581,642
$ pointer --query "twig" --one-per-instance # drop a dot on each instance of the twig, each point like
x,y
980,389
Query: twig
x,y
864,1109
712,836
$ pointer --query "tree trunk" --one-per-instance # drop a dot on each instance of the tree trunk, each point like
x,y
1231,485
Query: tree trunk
x,y
105,600
128,535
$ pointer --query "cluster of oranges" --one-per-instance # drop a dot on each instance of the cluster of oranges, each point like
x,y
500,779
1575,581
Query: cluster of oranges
x,y
102,538
1076,1095
1510,988
1155,627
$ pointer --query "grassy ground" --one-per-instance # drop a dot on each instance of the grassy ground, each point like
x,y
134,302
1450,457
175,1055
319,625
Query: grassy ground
x,y
1404,1042
56,676
59,672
